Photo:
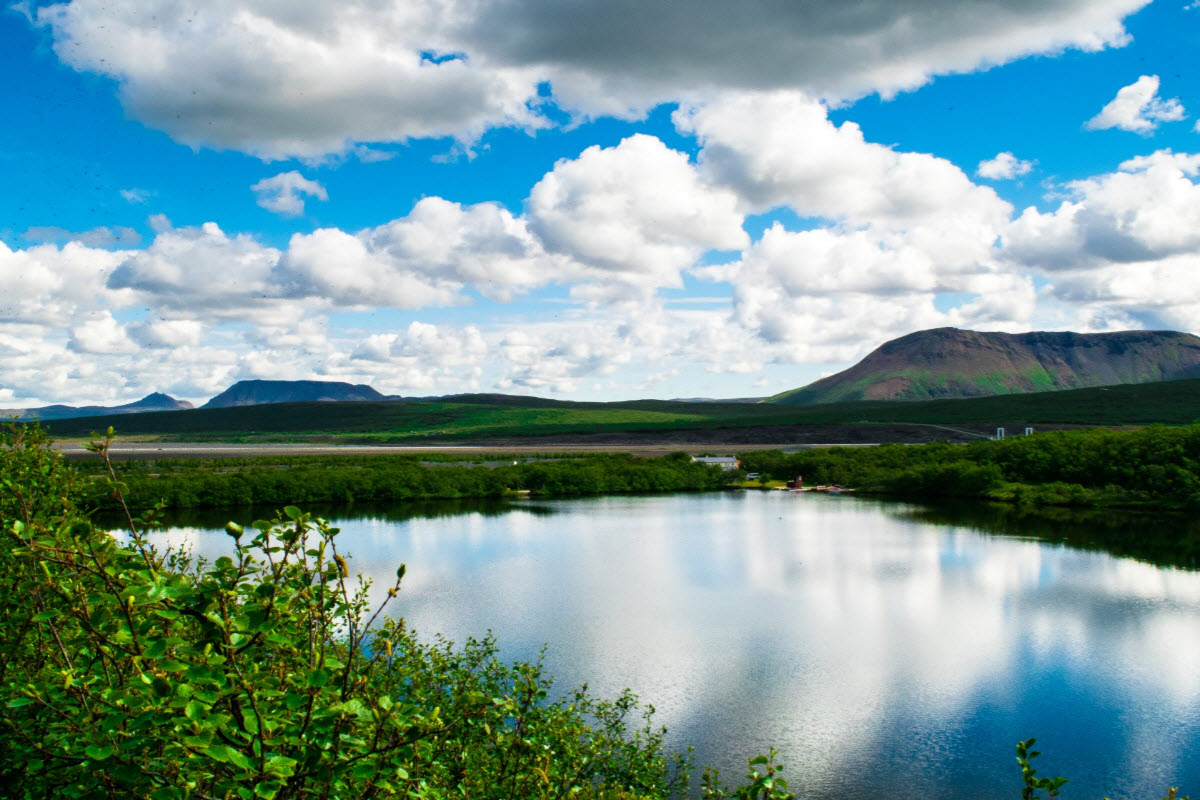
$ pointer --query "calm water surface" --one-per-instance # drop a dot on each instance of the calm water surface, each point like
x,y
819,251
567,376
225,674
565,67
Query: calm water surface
x,y
885,650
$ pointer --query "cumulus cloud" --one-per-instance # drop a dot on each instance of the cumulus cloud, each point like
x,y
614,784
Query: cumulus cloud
x,y
340,267
1137,108
780,149
892,230
169,333
1126,243
636,214
1003,167
821,294
288,79
296,79
101,335
44,284
199,267
1148,210
285,193
483,245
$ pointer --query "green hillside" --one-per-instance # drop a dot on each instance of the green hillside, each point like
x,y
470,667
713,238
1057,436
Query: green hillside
x,y
948,363
482,416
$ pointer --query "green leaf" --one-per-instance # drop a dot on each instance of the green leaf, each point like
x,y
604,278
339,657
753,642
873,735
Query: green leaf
x,y
267,790
292,512
17,702
218,752
238,759
194,711
318,678
97,752
45,615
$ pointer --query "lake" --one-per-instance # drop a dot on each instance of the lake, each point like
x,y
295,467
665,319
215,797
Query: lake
x,y
886,649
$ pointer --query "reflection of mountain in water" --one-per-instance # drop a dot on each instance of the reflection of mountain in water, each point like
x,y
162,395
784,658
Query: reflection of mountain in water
x,y
1163,539
389,512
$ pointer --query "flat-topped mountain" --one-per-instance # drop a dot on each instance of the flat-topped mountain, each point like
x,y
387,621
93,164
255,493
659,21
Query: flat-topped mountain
x,y
156,401
254,393
951,363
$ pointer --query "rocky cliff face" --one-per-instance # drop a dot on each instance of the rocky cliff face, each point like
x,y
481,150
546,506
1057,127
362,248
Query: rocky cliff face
x,y
949,363
253,393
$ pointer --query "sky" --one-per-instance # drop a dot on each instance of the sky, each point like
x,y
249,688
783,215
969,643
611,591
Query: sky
x,y
584,200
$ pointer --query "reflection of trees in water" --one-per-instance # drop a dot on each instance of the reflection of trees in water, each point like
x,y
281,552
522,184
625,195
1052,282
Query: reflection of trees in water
x,y
391,512
1166,539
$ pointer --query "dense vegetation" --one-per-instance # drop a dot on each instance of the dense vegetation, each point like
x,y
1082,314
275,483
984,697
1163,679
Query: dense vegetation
x,y
130,673
1156,466
487,416
343,479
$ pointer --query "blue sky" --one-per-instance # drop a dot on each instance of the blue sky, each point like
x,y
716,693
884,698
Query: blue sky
x,y
595,201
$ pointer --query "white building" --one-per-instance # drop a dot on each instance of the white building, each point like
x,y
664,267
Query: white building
x,y
726,463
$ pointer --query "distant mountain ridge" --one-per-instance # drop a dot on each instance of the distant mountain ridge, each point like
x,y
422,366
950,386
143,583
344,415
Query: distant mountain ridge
x,y
945,363
157,401
259,392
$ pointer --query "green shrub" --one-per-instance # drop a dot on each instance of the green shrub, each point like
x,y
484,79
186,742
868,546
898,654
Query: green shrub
x,y
126,672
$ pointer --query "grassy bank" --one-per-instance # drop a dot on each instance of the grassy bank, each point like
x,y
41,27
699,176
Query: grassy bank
x,y
1155,467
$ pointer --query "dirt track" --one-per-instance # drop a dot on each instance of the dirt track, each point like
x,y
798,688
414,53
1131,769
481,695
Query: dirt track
x,y
648,443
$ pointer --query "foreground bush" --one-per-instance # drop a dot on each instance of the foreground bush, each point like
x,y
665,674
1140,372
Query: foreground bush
x,y
130,673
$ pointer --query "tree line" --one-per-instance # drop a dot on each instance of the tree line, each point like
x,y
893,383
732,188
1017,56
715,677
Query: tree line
x,y
1157,465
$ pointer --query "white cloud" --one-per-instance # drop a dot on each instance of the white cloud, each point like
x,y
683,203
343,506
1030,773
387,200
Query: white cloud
x,y
428,258
307,80
482,245
285,193
200,267
823,295
1004,166
288,79
427,357
635,214
44,284
101,335
1148,210
780,148
897,229
169,333
1137,108
341,268
1124,245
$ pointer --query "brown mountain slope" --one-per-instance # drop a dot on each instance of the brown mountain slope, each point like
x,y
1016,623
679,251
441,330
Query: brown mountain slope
x,y
950,363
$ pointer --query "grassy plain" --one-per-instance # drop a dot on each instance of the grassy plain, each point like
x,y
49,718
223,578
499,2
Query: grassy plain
x,y
482,417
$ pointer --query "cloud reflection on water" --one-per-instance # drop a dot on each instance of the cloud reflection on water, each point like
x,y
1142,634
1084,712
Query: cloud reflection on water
x,y
883,655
